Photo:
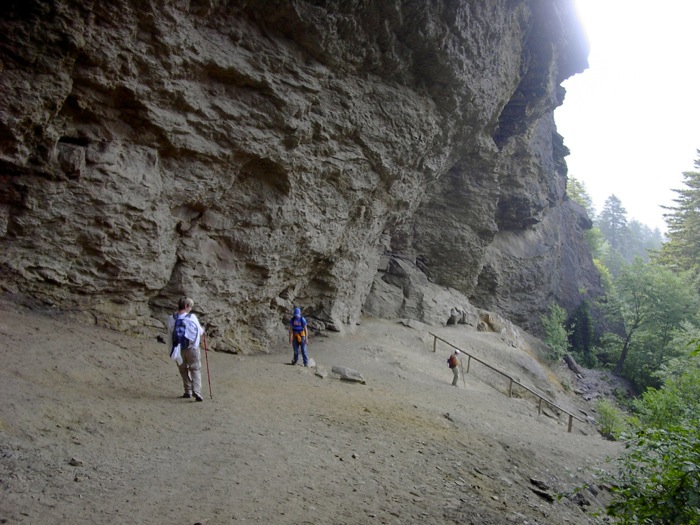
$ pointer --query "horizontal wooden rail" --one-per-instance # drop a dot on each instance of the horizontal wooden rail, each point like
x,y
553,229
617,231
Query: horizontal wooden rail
x,y
511,381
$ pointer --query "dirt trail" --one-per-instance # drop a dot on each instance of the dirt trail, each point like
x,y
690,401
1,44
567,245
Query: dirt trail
x,y
92,430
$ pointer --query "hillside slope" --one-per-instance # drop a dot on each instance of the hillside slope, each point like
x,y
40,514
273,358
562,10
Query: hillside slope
x,y
93,431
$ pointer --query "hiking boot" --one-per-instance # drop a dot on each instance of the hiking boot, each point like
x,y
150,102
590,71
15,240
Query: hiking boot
x,y
198,397
186,395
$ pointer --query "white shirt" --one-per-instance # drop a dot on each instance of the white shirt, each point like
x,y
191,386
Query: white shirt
x,y
193,330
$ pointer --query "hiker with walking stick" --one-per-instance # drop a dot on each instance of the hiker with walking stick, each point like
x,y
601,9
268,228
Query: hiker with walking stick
x,y
184,333
454,363
206,359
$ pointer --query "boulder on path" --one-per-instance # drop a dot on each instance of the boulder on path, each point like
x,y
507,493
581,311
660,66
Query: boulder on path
x,y
348,374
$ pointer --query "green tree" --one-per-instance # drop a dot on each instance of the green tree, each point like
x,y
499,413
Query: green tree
x,y
647,305
659,478
683,220
612,222
576,191
556,334
612,259
608,349
611,421
677,402
606,279
675,303
580,327
596,243
629,304
641,241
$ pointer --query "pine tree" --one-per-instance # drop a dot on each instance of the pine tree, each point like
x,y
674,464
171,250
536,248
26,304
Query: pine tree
x,y
682,251
612,221
641,241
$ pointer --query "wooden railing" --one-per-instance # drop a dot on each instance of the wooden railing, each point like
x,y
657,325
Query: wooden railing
x,y
511,381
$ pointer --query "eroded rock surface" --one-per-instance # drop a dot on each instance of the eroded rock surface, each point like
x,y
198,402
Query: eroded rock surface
x,y
260,155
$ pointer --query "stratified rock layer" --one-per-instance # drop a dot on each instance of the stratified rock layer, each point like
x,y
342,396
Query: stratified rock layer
x,y
261,154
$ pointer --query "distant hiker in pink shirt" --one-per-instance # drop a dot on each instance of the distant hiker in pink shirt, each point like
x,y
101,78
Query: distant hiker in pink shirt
x,y
453,363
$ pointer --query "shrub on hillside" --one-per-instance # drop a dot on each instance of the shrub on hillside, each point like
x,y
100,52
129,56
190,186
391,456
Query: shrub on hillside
x,y
659,479
556,334
611,422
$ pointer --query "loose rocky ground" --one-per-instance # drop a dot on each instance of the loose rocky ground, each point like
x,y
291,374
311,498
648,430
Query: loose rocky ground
x,y
92,430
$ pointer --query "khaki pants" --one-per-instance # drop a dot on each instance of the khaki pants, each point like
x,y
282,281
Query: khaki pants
x,y
455,380
191,371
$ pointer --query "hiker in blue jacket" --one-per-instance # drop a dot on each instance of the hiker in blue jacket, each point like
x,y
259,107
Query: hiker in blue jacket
x,y
299,337
184,333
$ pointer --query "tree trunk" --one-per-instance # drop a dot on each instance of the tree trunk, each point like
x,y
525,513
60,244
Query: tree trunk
x,y
573,365
623,355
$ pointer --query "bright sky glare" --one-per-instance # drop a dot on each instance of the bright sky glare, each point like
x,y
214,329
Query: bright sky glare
x,y
632,119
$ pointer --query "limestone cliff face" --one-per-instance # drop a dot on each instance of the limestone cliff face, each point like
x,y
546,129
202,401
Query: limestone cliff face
x,y
262,154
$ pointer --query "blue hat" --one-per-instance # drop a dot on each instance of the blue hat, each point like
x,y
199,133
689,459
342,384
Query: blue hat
x,y
297,312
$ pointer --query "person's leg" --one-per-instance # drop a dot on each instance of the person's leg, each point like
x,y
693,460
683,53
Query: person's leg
x,y
304,353
184,373
455,380
195,366
295,345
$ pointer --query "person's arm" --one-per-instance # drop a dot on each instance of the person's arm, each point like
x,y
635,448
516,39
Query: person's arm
x,y
193,320
200,330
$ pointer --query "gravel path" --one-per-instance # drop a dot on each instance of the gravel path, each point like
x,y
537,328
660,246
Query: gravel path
x,y
92,431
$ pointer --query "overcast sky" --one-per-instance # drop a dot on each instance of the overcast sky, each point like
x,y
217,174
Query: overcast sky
x,y
632,119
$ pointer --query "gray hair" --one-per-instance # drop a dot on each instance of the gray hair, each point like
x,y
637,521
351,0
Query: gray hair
x,y
185,302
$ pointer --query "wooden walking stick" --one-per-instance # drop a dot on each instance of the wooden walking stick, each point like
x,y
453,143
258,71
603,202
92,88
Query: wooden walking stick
x,y
461,367
206,358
